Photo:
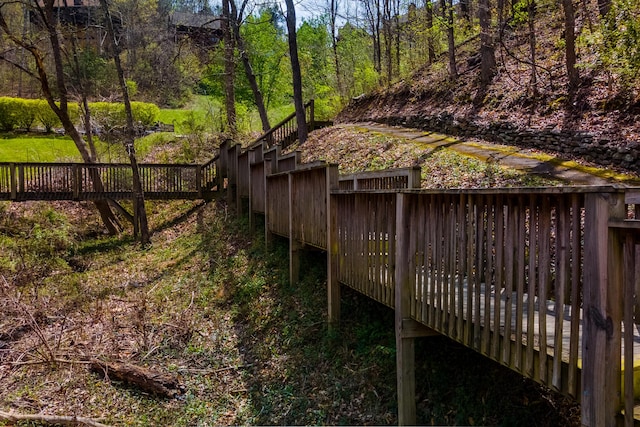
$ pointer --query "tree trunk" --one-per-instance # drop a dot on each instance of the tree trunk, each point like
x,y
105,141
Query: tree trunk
x,y
532,47
431,53
570,45
487,54
333,18
388,39
229,69
297,75
447,16
248,69
140,215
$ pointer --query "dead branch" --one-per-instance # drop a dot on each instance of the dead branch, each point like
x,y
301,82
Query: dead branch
x,y
160,384
12,417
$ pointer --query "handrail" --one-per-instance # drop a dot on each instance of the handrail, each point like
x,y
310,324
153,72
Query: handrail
x,y
93,181
290,118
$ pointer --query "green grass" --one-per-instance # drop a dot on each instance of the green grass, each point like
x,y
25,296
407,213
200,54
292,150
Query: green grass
x,y
29,148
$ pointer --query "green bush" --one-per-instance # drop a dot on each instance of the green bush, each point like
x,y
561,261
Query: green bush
x,y
46,116
8,113
110,115
25,113
145,113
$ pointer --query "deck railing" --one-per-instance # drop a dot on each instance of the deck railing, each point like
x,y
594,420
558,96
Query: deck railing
x,y
94,181
285,133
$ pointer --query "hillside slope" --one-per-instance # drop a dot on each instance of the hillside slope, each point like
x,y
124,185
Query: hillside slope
x,y
599,124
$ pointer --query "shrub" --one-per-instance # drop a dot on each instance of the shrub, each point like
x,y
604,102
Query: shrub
x,y
46,116
8,113
145,113
110,115
25,113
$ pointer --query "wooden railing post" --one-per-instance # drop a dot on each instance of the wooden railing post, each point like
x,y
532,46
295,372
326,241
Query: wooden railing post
x,y
268,170
333,285
407,329
199,181
14,181
415,178
76,179
602,307
21,183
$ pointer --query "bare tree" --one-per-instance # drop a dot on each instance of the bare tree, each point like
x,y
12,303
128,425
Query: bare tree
x,y
570,45
531,14
487,54
334,5
431,53
447,17
140,216
374,18
297,75
43,11
229,69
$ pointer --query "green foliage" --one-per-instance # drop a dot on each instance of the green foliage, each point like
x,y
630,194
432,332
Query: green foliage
x,y
111,115
46,116
9,108
26,113
358,72
620,50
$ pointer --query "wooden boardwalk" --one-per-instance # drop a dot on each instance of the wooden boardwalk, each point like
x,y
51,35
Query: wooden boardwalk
x,y
541,280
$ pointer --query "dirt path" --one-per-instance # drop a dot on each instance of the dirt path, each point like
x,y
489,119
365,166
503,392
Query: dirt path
x,y
510,156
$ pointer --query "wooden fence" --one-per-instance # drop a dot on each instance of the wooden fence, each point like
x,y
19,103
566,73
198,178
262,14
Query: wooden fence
x,y
543,281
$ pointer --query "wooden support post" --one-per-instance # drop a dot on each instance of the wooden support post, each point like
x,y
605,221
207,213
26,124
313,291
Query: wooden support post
x,y
268,235
405,346
333,261
602,305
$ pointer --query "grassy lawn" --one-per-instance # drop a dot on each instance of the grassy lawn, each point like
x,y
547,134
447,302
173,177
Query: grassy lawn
x,y
36,148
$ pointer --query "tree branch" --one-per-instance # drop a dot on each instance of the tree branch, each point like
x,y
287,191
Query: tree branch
x,y
12,417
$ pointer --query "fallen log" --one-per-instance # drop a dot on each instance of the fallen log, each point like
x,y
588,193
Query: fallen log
x,y
157,383
12,417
